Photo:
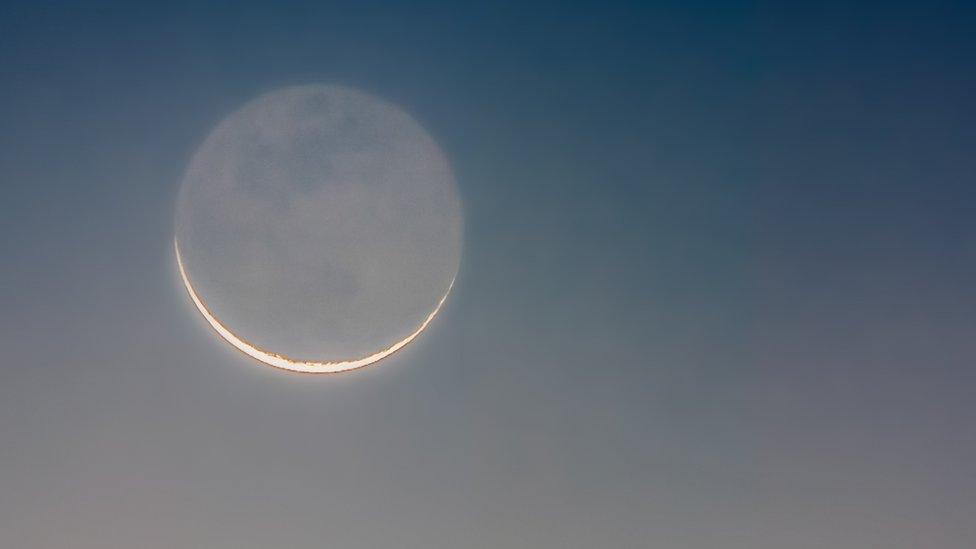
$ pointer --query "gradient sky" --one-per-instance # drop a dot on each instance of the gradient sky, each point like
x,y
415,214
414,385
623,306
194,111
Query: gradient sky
x,y
716,290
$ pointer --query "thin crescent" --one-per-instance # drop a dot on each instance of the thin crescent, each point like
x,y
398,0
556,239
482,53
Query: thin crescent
x,y
286,362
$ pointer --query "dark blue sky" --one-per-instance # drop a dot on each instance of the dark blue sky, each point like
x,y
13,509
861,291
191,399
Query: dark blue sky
x,y
716,288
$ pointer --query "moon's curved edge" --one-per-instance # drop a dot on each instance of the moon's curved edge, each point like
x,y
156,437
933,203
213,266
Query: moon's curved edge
x,y
286,362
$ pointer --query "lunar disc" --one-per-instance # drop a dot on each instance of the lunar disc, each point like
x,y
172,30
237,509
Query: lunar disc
x,y
318,229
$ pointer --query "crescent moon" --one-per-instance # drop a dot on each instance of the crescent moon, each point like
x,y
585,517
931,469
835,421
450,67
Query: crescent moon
x,y
288,363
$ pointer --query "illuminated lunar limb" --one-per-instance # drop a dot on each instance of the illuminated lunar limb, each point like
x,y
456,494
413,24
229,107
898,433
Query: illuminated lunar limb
x,y
288,363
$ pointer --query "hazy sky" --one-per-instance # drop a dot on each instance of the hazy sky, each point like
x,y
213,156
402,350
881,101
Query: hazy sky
x,y
716,288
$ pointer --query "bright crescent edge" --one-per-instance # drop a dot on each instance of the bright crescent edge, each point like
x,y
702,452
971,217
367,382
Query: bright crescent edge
x,y
288,363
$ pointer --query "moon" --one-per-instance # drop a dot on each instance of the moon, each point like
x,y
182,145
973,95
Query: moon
x,y
318,229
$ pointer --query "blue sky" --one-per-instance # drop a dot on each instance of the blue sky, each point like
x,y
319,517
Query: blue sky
x,y
715,288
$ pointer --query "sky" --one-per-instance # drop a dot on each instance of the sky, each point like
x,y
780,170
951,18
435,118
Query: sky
x,y
715,286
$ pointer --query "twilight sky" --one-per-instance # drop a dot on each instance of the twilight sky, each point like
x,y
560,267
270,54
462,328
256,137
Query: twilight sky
x,y
716,287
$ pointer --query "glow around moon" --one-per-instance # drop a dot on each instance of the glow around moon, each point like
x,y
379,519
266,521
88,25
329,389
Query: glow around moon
x,y
318,229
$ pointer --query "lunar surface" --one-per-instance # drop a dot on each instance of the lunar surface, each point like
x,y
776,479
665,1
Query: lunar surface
x,y
318,229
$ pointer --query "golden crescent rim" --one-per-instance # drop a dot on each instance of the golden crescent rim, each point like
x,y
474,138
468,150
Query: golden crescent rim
x,y
288,363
